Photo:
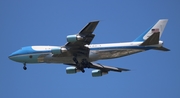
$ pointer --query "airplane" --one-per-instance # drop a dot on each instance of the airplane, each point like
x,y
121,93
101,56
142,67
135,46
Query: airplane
x,y
79,53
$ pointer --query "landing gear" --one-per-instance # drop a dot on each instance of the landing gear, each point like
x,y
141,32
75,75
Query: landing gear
x,y
75,60
83,70
79,65
85,63
24,67
82,65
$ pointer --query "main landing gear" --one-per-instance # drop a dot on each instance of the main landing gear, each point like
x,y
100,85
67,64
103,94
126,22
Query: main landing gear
x,y
82,65
24,67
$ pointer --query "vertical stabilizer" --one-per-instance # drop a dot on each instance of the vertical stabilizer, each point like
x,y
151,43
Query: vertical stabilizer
x,y
158,27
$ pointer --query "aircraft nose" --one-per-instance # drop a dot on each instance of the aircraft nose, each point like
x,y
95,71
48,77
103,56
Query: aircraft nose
x,y
14,54
21,54
11,56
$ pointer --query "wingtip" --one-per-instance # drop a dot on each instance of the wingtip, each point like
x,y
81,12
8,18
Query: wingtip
x,y
127,70
122,69
95,21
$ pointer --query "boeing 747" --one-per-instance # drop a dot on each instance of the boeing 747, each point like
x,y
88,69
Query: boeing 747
x,y
79,53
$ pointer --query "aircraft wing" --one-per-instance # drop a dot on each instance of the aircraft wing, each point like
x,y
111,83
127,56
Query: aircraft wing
x,y
107,68
103,68
77,47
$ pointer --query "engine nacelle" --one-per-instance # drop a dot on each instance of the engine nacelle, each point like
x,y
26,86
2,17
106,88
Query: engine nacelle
x,y
58,50
72,70
74,38
98,73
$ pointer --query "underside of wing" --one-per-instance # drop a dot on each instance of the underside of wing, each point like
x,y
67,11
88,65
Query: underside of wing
x,y
99,70
76,43
107,68
85,36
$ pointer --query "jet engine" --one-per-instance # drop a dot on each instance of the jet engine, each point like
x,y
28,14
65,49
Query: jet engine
x,y
72,70
74,38
98,73
58,50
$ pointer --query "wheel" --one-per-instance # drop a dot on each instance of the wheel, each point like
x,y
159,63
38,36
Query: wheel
x,y
25,68
83,71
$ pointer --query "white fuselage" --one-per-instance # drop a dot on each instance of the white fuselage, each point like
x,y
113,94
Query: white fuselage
x,y
43,54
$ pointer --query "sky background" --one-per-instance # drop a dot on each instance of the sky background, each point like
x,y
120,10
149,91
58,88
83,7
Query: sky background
x,y
154,74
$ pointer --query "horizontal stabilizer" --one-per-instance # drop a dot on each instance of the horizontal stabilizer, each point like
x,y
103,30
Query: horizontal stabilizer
x,y
162,48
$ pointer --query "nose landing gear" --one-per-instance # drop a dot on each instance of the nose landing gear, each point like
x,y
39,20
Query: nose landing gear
x,y
24,67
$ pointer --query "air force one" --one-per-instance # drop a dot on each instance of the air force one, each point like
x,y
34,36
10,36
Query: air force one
x,y
80,54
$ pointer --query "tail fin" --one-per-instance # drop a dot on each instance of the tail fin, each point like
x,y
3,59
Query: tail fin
x,y
153,34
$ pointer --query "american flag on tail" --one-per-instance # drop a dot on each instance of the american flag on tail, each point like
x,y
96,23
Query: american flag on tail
x,y
155,30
